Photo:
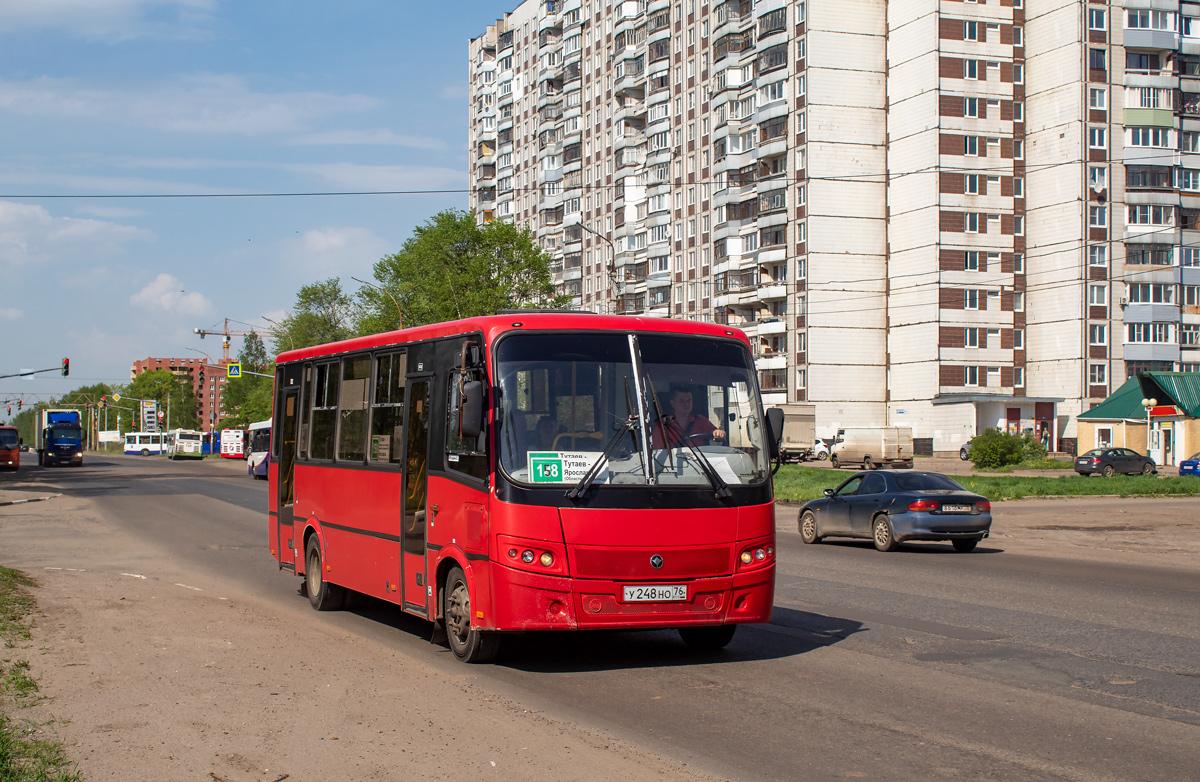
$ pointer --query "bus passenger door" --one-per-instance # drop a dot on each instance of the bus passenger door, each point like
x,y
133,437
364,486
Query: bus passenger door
x,y
416,484
287,416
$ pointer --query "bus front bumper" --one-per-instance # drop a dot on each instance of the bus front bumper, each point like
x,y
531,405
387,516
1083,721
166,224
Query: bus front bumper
x,y
538,602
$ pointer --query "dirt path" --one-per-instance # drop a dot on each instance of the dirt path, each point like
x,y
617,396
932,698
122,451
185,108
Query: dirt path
x,y
150,672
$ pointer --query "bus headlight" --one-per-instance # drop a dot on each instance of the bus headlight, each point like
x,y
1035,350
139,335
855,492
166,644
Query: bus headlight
x,y
527,556
547,559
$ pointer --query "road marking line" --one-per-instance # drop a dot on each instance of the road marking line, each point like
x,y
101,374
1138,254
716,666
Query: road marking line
x,y
135,575
194,589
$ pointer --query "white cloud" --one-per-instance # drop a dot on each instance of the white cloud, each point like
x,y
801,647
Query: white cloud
x,y
378,137
203,103
166,294
29,234
335,251
108,20
9,313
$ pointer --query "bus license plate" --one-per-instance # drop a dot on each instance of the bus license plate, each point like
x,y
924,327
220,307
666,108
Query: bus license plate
x,y
957,508
660,593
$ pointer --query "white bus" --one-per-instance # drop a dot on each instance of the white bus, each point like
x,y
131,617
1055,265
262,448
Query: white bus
x,y
258,449
233,444
184,444
145,443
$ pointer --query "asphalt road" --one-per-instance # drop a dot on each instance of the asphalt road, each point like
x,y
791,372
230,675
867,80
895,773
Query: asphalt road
x,y
923,664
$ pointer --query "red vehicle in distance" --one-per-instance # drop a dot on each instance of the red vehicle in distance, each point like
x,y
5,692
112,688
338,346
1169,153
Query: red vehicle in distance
x,y
502,474
10,448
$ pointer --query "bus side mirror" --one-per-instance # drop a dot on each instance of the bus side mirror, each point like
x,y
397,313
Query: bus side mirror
x,y
470,417
774,430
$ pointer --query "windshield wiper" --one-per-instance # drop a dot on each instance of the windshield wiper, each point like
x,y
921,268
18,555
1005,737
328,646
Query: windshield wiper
x,y
630,425
718,483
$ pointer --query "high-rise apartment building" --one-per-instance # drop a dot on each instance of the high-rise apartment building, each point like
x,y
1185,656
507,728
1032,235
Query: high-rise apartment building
x,y
938,213
208,395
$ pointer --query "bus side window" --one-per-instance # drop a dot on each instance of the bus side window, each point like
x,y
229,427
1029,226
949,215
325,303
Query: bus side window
x,y
387,409
467,456
352,409
324,410
306,395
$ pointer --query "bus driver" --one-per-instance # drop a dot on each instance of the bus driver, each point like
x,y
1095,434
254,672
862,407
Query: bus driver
x,y
681,425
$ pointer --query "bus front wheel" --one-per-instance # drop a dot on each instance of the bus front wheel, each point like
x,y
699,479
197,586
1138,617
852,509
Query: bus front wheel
x,y
707,639
468,643
322,595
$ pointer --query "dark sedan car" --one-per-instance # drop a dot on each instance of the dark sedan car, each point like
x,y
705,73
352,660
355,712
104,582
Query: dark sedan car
x,y
892,506
1110,461
1190,466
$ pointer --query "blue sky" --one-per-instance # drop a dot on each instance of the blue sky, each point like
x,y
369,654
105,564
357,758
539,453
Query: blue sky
x,y
171,97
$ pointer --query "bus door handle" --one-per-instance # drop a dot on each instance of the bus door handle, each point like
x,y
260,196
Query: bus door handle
x,y
435,509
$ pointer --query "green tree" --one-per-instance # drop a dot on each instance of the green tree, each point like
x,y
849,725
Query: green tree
x,y
452,267
248,399
166,388
323,313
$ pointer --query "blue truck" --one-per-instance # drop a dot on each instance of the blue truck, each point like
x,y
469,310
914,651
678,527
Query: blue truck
x,y
59,438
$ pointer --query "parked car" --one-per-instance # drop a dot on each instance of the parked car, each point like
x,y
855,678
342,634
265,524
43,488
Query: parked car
x,y
893,506
964,453
1190,466
1110,461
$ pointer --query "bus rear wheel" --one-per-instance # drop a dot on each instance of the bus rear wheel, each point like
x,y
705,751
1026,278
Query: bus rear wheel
x,y
707,639
322,595
468,643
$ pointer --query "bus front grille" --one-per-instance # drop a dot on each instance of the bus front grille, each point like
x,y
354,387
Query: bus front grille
x,y
626,563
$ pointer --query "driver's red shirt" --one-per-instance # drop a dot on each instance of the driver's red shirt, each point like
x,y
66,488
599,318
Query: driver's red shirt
x,y
695,425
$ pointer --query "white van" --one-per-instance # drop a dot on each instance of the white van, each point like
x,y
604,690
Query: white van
x,y
872,447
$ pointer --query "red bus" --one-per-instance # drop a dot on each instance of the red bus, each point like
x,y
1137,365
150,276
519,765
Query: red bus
x,y
10,448
530,471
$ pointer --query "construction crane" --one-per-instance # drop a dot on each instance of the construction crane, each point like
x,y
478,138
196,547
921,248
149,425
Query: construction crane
x,y
225,335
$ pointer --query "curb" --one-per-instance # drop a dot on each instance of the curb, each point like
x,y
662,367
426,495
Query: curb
x,y
35,499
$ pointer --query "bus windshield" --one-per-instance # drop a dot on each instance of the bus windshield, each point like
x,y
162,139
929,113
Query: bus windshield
x,y
8,438
567,399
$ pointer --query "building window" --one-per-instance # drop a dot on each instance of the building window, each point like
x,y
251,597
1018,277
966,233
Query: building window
x,y
1096,60
971,184
1098,98
1149,137
1190,256
1189,179
1189,334
971,69
1018,301
1097,138
1097,216
1150,214
1098,375
1150,293
971,338
971,145
972,376
972,261
970,31
1097,334
1018,339
971,299
971,222
1096,20
1097,255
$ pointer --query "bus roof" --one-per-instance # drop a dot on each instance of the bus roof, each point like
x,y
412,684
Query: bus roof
x,y
260,425
533,320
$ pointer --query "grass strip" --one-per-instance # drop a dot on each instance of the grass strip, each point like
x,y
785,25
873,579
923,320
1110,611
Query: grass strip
x,y
795,483
23,757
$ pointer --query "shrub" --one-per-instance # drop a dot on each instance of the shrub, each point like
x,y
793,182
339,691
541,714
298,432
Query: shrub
x,y
993,448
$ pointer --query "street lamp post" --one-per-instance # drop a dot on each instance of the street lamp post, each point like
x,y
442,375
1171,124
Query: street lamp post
x,y
1149,404
399,314
612,266
280,329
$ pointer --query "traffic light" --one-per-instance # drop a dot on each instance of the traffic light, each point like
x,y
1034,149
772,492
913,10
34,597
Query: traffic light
x,y
201,377
18,404
66,369
10,409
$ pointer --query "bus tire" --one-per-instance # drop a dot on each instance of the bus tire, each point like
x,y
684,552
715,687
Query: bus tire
x,y
322,595
707,639
145,452
469,644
